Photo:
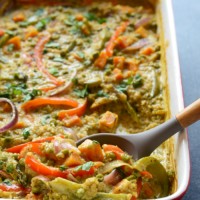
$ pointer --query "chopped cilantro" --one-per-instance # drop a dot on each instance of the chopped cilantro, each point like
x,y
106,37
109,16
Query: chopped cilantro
x,y
82,93
42,23
122,87
10,47
92,17
10,168
58,59
54,71
3,60
137,80
7,182
101,93
81,54
86,166
52,45
62,168
15,90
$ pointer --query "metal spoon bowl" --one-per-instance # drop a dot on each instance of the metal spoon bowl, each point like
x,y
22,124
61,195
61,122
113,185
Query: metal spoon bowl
x,y
144,143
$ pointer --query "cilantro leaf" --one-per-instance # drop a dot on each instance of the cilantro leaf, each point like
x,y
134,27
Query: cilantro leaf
x,y
82,93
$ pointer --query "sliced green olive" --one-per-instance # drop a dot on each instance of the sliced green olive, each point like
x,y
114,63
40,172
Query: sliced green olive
x,y
160,182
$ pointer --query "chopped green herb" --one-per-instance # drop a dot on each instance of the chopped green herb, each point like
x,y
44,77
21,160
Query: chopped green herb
x,y
82,93
26,133
23,24
62,168
86,166
75,81
21,77
11,33
52,45
3,60
122,87
39,11
4,39
42,23
44,120
81,54
93,17
10,47
10,168
1,164
54,71
137,80
58,59
15,90
32,20
7,182
101,93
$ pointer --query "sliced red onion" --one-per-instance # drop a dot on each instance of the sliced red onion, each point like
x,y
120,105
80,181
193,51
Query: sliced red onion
x,y
62,145
64,88
5,175
42,178
143,22
113,178
71,178
14,118
71,132
138,45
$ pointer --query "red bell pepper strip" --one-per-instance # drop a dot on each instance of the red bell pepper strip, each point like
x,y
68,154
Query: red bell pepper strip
x,y
139,186
111,43
108,52
11,188
43,169
1,33
27,106
79,111
18,148
34,148
38,54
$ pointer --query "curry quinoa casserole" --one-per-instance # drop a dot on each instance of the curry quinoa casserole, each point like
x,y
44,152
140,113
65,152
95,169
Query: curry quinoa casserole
x,y
68,70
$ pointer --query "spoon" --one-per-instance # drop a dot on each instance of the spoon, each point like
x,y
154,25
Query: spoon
x,y
143,144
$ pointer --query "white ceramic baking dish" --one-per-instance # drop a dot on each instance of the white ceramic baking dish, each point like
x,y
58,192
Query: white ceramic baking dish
x,y
181,146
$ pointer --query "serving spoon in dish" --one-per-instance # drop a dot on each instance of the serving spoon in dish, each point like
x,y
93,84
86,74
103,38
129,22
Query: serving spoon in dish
x,y
143,144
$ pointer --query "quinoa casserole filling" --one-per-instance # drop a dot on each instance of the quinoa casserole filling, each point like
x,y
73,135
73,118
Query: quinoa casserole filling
x,y
69,70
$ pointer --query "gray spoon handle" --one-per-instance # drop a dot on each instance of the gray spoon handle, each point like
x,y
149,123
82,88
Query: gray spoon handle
x,y
190,114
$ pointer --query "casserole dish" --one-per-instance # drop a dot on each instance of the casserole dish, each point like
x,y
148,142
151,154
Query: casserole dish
x,y
168,37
